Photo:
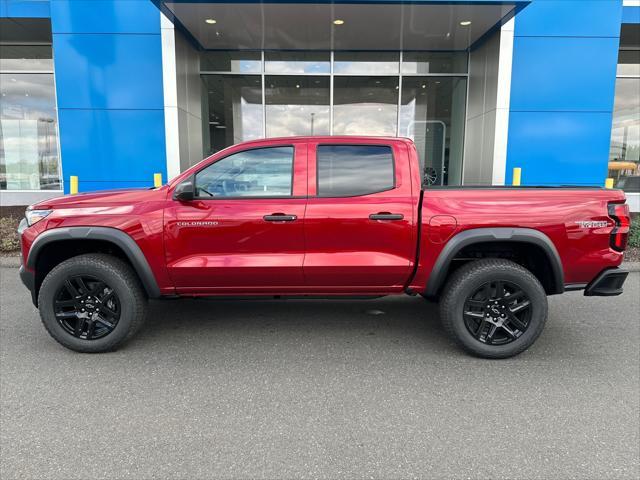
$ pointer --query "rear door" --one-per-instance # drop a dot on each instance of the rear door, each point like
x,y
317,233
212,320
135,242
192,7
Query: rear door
x,y
360,223
243,233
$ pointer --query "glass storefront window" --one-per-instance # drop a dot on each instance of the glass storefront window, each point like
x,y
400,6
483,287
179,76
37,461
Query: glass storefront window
x,y
26,58
372,63
232,109
28,133
29,158
629,63
227,61
297,105
365,106
297,62
434,62
624,156
432,114
304,94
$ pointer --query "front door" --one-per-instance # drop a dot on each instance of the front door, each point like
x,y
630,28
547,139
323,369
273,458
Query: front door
x,y
243,232
360,225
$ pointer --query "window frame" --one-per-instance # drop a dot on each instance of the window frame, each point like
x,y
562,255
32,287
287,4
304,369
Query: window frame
x,y
393,168
248,197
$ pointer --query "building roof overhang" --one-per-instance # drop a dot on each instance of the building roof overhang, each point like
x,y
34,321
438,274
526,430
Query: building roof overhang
x,y
367,25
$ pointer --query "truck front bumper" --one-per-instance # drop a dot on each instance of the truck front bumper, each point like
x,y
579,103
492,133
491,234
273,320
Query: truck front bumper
x,y
608,283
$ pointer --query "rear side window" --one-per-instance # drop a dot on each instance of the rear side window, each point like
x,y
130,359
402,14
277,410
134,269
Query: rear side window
x,y
353,170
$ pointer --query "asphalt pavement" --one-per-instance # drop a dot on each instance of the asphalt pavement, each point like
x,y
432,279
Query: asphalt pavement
x,y
321,389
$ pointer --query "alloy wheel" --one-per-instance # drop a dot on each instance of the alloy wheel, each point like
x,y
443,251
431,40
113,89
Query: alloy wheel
x,y
86,307
497,313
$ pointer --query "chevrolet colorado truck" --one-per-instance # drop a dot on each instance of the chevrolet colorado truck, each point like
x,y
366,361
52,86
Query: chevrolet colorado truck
x,y
321,216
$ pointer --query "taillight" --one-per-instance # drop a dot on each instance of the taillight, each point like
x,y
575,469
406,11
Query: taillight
x,y
619,213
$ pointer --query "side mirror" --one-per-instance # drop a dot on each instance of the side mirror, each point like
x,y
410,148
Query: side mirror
x,y
184,192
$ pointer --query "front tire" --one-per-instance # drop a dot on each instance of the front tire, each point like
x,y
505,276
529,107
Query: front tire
x,y
493,308
92,303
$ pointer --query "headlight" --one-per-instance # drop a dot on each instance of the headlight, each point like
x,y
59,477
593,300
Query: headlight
x,y
34,216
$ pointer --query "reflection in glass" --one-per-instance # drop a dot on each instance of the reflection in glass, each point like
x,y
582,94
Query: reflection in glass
x,y
624,156
365,106
28,133
350,170
263,172
432,114
629,63
297,106
373,63
297,62
26,58
232,110
434,62
231,61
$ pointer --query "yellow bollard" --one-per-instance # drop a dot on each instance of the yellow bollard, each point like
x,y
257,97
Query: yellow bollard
x,y
73,184
608,183
157,180
517,176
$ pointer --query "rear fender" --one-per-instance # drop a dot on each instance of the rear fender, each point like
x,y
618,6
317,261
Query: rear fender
x,y
487,235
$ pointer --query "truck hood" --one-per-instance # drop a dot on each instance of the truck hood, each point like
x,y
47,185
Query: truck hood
x,y
125,196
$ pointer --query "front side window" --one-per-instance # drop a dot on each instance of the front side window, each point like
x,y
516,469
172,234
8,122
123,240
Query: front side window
x,y
353,170
262,172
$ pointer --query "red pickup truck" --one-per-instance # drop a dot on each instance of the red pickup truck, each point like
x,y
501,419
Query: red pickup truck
x,y
321,216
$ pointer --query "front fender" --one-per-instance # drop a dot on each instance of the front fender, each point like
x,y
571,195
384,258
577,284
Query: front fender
x,y
119,238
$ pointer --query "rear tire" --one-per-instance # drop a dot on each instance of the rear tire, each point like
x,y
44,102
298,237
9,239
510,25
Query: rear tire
x,y
493,308
92,303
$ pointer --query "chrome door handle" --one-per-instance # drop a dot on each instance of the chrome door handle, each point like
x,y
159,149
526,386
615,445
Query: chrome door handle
x,y
386,216
280,217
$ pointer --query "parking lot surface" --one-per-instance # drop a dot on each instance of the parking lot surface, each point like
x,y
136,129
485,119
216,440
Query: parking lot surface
x,y
321,389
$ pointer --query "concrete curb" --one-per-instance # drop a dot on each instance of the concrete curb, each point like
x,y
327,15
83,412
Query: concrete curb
x,y
10,261
14,261
631,266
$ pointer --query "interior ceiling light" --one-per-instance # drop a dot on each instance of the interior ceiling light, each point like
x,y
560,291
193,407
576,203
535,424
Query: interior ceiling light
x,y
465,23
338,21
211,21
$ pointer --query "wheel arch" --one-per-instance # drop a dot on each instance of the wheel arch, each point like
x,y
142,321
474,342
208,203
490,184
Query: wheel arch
x,y
124,244
499,235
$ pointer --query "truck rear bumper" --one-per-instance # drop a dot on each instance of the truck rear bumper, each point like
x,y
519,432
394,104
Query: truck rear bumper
x,y
607,284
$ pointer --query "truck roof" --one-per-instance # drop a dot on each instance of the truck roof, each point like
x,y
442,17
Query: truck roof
x,y
330,138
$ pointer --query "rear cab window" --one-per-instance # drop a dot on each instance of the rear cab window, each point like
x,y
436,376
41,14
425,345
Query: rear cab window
x,y
354,170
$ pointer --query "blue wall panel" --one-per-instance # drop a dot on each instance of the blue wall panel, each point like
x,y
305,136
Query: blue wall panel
x,y
25,8
105,16
562,91
108,63
570,18
109,71
631,15
566,74
559,148
113,148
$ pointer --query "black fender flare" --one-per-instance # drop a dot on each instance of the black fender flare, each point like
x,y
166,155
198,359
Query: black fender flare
x,y
112,235
487,235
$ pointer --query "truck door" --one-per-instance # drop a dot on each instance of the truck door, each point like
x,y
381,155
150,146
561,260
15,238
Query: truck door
x,y
243,232
360,223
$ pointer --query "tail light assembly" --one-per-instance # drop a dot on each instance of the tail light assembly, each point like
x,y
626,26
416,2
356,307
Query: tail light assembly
x,y
619,213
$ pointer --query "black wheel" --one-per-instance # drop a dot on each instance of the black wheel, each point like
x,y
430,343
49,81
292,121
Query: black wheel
x,y
92,303
493,308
